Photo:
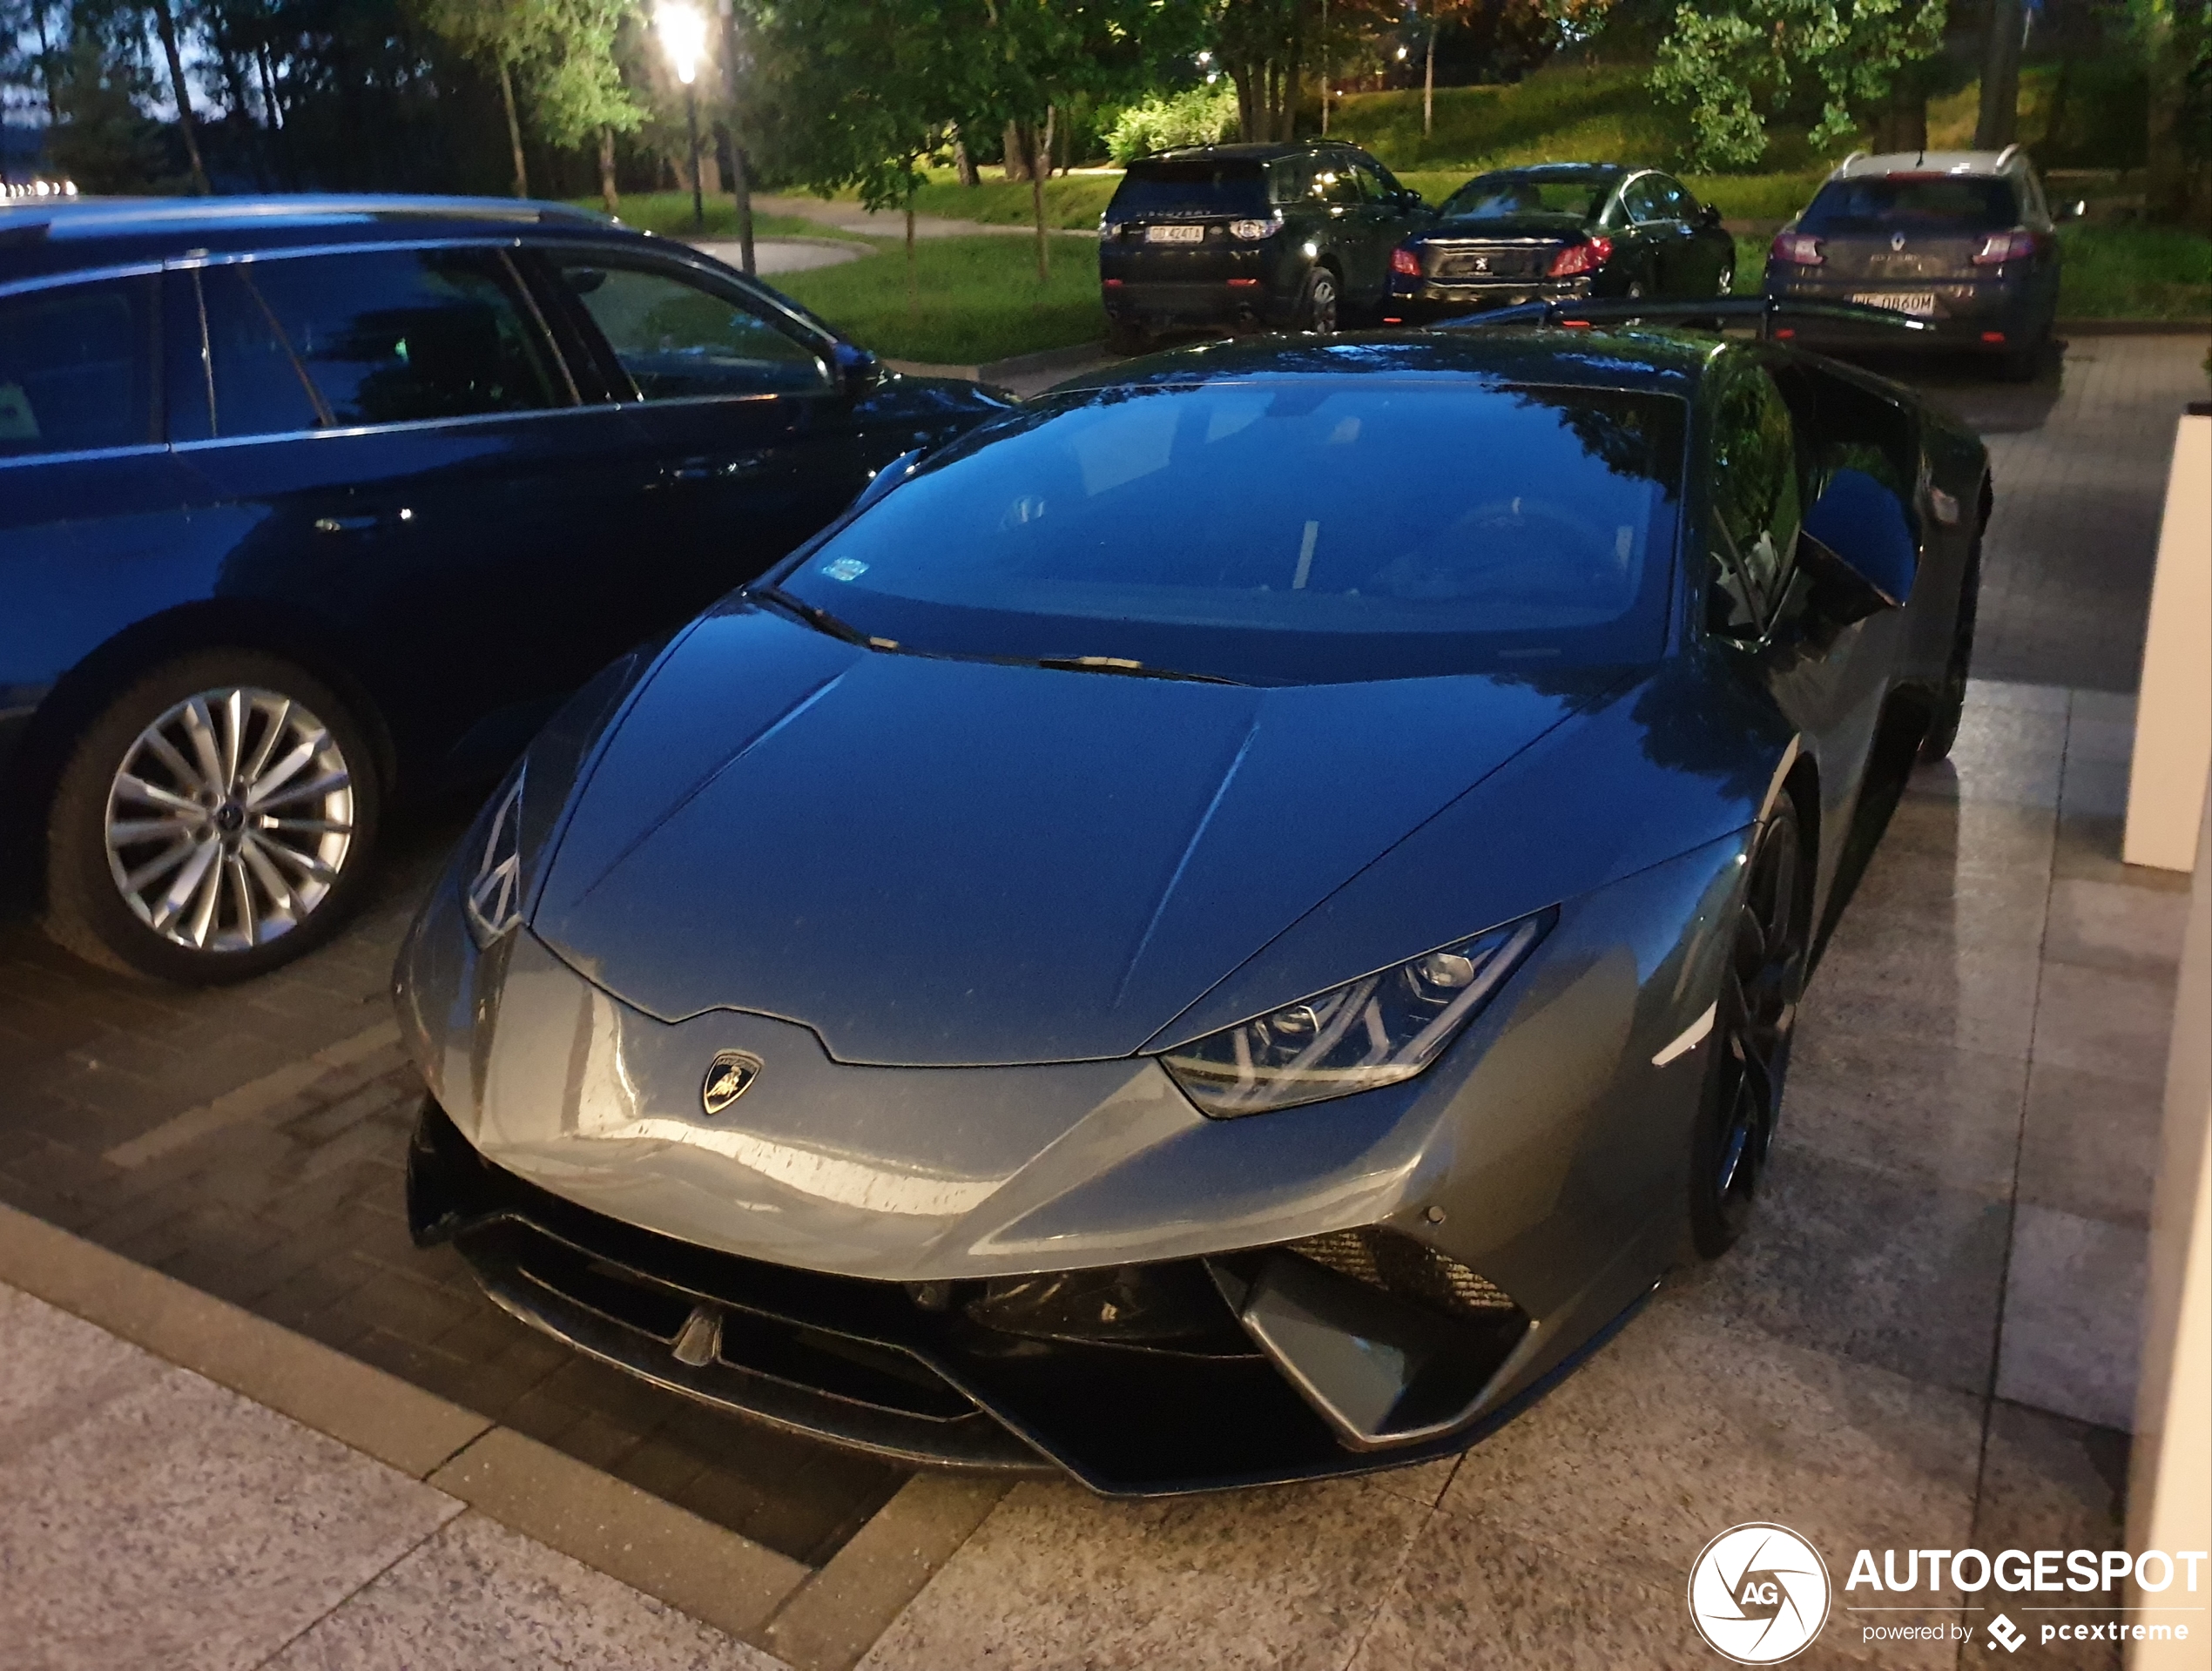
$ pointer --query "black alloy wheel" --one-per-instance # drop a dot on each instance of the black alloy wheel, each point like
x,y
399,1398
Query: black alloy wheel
x,y
1318,311
1752,1028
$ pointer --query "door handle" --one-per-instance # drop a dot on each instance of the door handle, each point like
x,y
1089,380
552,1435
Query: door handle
x,y
693,470
363,524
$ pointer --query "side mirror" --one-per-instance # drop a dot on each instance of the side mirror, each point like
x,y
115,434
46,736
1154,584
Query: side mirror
x,y
2075,210
1858,549
858,369
1709,216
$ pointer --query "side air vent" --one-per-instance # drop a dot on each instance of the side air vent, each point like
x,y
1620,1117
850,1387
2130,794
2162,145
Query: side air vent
x,y
1399,1265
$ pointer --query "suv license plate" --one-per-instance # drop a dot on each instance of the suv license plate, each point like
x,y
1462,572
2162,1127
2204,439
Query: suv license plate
x,y
1192,235
1919,303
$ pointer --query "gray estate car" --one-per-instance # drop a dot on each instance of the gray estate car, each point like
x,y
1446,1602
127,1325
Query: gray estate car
x,y
1963,240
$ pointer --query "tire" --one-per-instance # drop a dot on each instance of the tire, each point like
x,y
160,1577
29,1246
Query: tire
x,y
249,834
1320,308
1755,1015
1126,339
1950,703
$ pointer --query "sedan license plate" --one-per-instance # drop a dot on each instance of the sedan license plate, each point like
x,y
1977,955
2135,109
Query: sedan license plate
x,y
1175,234
1918,303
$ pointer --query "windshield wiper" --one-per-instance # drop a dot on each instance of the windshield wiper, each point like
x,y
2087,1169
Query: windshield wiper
x,y
1128,668
820,619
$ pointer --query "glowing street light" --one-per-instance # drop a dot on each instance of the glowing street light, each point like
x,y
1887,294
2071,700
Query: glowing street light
x,y
682,36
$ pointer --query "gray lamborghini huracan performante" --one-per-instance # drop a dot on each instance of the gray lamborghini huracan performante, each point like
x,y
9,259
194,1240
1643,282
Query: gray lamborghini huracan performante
x,y
1225,927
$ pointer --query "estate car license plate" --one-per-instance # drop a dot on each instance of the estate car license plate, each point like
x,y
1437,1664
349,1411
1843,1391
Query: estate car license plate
x,y
1919,303
1175,234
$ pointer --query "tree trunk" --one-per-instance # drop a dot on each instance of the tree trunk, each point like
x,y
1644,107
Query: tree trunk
x,y
1428,83
741,188
2171,48
608,195
711,168
166,25
1039,169
514,129
45,60
1997,122
1903,125
1016,164
913,278
964,164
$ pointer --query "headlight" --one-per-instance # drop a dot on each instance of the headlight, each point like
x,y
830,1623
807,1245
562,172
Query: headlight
x,y
1251,229
1374,1031
492,896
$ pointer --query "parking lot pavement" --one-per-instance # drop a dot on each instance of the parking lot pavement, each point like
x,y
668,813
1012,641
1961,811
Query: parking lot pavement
x,y
2079,460
249,1140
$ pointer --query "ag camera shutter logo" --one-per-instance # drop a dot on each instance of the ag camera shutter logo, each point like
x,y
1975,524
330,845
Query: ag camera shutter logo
x,y
1758,1593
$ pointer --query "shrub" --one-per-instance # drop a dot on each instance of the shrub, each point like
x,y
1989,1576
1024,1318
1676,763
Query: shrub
x,y
1201,116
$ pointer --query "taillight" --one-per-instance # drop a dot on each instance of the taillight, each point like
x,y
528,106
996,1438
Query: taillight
x,y
1405,261
1800,249
1586,257
2005,246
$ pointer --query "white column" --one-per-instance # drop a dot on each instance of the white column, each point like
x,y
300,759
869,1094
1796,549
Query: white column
x,y
2174,709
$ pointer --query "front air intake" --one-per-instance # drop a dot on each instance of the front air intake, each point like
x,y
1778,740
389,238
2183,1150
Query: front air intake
x,y
1411,1271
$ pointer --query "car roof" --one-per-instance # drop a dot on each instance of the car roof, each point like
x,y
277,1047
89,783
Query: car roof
x,y
1242,151
1557,171
1990,164
43,236
1653,359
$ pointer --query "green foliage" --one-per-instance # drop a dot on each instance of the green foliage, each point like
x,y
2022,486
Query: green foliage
x,y
1732,65
1071,201
2135,272
1198,116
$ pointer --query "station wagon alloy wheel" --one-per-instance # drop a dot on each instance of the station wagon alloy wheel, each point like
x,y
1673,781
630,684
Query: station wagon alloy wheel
x,y
230,819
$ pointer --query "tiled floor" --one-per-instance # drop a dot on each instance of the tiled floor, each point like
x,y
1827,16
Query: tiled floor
x,y
157,1519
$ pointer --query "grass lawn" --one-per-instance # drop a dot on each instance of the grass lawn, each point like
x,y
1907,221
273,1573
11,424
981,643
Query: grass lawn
x,y
979,298
2136,273
669,213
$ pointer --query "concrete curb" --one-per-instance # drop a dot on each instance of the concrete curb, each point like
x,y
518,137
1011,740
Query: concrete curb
x,y
714,1574
2132,327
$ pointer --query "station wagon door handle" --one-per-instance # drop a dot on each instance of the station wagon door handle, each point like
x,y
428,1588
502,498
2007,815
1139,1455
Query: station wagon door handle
x,y
365,524
716,469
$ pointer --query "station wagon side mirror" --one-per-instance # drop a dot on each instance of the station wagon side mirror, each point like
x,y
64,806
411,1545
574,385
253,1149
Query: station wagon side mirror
x,y
857,368
2075,210
1858,549
1709,216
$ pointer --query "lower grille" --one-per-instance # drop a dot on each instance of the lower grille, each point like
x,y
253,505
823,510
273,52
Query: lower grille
x,y
1399,1265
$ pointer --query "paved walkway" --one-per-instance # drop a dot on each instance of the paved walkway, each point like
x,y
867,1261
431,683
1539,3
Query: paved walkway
x,y
156,1519
891,223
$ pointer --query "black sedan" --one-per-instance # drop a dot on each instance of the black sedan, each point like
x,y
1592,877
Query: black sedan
x,y
306,502
1559,231
1226,927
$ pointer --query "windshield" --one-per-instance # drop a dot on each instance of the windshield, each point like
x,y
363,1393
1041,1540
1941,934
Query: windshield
x,y
1932,202
1183,188
1281,531
1495,197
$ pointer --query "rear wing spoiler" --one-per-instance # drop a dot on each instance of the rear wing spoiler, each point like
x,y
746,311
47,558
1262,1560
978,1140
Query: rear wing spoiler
x,y
1716,312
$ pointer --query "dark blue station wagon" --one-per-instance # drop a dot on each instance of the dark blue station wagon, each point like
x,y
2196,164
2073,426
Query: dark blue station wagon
x,y
309,502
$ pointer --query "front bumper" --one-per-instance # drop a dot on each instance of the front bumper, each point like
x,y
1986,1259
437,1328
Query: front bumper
x,y
1143,1380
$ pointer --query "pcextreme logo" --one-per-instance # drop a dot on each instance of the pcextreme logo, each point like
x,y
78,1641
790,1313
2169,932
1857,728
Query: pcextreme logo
x,y
1758,1593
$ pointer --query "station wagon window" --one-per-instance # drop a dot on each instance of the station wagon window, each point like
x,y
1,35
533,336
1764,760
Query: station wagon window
x,y
1756,505
384,336
76,372
679,339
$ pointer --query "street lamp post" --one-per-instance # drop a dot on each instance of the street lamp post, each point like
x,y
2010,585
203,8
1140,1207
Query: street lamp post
x,y
683,33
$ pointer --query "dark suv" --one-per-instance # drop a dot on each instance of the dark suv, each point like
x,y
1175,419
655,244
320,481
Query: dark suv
x,y
1250,237
1962,240
306,502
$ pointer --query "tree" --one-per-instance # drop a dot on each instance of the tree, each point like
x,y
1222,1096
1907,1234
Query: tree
x,y
2176,48
165,23
1730,62
578,93
502,33
1262,44
1439,12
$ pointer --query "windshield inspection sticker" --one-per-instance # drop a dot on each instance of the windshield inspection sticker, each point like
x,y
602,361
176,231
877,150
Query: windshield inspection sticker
x,y
845,569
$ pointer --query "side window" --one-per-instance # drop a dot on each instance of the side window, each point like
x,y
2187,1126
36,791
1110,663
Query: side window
x,y
384,336
1675,202
1371,181
1641,200
76,368
678,340
1757,508
1336,182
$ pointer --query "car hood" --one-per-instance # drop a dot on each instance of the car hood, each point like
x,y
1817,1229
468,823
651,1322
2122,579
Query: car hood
x,y
943,863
